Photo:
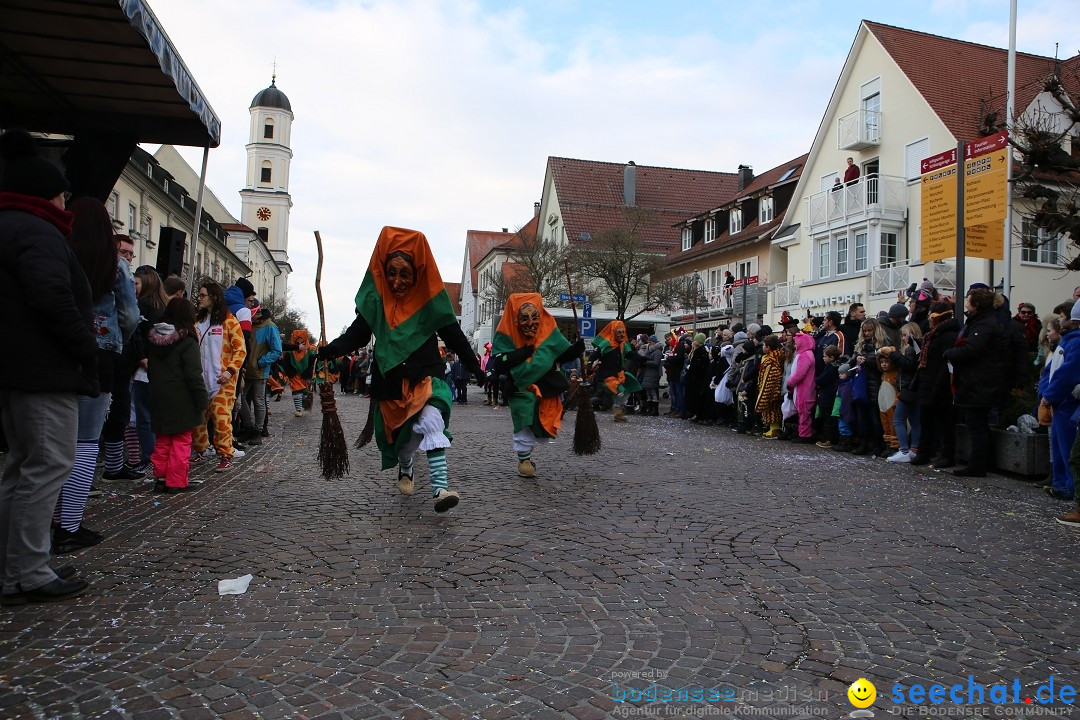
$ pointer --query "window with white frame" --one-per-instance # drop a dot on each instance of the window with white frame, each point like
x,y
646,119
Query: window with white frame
x,y
132,223
1039,246
687,238
746,268
716,282
765,209
710,230
890,248
735,221
841,254
114,205
824,258
914,154
861,259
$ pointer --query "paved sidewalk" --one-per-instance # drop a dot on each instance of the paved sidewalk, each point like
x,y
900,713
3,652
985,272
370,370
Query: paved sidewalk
x,y
748,565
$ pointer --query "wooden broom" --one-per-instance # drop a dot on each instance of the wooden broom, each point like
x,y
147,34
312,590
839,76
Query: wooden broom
x,y
333,450
586,433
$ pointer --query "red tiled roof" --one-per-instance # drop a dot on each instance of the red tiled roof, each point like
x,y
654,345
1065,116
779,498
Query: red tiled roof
x,y
961,80
515,276
591,197
480,243
454,291
753,229
236,227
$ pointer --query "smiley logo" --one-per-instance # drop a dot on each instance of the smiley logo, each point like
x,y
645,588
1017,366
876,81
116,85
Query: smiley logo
x,y
862,693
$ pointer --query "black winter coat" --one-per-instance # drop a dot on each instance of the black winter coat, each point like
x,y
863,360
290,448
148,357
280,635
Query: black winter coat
x,y
178,399
47,306
977,359
932,382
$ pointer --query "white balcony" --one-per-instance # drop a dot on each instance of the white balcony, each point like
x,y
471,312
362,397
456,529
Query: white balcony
x,y
890,278
874,197
786,294
858,130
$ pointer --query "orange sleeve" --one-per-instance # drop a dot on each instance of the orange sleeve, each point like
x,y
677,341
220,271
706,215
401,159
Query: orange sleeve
x,y
233,347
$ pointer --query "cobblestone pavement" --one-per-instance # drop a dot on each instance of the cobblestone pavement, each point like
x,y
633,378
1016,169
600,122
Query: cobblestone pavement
x,y
763,567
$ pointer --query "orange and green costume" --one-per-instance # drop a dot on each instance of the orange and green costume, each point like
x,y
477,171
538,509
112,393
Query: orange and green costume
x,y
536,400
611,373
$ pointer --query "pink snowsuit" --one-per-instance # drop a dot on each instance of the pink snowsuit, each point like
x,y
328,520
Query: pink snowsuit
x,y
802,382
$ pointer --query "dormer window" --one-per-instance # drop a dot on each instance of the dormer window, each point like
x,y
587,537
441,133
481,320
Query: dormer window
x,y
687,237
735,220
710,230
765,209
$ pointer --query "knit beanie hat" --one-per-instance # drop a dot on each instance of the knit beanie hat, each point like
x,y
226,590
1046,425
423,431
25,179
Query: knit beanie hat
x,y
700,338
898,311
24,172
843,369
245,285
1075,315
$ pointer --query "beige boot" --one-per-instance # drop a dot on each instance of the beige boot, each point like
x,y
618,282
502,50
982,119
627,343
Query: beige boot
x,y
620,414
446,499
404,483
527,469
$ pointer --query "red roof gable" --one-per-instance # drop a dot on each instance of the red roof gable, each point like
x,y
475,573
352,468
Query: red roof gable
x,y
480,243
454,291
963,80
591,197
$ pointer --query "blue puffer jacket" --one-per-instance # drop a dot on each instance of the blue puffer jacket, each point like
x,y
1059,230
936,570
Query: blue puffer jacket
x,y
116,313
1057,389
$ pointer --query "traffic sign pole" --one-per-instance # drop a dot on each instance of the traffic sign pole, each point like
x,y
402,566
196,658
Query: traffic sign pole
x,y
959,314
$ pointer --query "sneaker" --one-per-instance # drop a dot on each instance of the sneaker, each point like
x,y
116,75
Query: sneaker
x,y
1071,518
238,453
144,468
239,446
125,473
1049,490
445,499
197,456
404,483
64,542
223,465
824,444
527,469
771,435
900,456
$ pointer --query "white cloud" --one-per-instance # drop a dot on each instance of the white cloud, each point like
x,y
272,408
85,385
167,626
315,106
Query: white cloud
x,y
440,115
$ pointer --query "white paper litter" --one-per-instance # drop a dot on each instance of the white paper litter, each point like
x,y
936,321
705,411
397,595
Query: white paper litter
x,y
234,586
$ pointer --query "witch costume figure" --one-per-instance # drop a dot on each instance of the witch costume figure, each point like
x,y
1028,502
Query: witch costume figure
x,y
610,347
528,346
403,302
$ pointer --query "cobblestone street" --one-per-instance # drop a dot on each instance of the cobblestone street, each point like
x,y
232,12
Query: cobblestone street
x,y
750,565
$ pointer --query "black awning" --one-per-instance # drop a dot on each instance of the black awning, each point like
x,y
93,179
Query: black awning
x,y
68,66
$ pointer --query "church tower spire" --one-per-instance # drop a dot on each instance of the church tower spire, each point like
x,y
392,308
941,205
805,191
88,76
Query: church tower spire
x,y
265,199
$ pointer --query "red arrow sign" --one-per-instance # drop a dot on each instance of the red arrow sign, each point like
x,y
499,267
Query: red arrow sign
x,y
936,162
988,144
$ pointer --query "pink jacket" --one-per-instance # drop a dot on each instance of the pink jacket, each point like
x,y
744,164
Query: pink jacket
x,y
802,378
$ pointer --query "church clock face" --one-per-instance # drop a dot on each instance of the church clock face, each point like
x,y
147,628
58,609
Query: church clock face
x,y
263,213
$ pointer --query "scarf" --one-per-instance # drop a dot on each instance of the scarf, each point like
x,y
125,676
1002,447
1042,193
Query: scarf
x,y
40,208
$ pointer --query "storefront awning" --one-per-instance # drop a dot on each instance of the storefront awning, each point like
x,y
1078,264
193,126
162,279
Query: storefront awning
x,y
68,66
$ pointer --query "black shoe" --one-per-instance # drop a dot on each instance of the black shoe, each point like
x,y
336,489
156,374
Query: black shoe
x,y
159,486
238,446
265,433
920,460
65,572
125,473
177,490
940,463
66,542
969,472
255,439
860,449
58,589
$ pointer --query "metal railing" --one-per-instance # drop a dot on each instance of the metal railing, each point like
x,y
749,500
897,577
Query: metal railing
x,y
943,275
858,130
889,277
870,196
786,294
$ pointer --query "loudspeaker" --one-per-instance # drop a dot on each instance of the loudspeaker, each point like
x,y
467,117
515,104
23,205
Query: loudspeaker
x,y
170,253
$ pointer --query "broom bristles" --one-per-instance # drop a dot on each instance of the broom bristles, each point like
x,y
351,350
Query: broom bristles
x,y
369,427
586,433
333,449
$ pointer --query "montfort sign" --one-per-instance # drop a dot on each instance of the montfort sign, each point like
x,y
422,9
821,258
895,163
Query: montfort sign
x,y
831,300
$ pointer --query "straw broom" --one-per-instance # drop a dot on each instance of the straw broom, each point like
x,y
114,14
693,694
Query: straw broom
x,y
333,450
586,433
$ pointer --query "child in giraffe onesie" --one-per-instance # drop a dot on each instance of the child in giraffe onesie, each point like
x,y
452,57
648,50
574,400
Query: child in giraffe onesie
x,y
223,351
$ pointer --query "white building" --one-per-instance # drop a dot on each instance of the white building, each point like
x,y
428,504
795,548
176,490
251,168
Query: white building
x,y
902,96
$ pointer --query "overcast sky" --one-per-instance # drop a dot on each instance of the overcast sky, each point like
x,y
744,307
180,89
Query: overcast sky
x,y
440,116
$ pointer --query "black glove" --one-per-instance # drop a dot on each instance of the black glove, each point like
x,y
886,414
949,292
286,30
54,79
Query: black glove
x,y
326,353
516,357
579,346
480,376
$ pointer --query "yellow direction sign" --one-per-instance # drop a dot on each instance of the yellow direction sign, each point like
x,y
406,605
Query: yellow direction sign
x,y
985,241
939,206
985,181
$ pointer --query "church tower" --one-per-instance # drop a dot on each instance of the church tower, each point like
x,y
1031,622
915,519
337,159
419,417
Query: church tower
x,y
265,198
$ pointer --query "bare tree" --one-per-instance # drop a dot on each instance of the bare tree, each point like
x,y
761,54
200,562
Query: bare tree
x,y
501,288
286,317
620,267
1047,174
542,260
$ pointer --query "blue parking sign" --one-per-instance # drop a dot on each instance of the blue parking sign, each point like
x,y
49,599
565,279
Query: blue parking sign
x,y
587,327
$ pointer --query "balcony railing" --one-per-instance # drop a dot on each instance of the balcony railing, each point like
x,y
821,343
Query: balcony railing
x,y
858,130
889,277
786,294
943,275
870,197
